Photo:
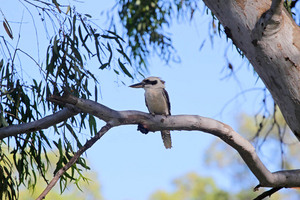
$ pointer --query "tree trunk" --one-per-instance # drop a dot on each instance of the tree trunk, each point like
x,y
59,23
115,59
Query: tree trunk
x,y
270,39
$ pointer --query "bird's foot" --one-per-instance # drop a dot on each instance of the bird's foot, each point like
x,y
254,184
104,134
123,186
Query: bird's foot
x,y
142,129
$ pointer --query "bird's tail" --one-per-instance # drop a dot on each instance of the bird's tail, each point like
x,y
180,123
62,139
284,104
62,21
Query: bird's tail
x,y
166,137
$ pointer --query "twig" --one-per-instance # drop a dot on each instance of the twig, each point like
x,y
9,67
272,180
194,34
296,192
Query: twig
x,y
268,193
87,145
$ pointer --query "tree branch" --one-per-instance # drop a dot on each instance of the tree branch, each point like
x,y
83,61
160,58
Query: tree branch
x,y
277,6
268,193
43,123
87,145
288,178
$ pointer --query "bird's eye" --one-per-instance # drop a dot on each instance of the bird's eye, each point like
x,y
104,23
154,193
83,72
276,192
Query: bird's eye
x,y
154,82
148,82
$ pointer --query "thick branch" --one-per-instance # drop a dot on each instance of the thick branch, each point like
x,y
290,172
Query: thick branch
x,y
277,6
87,145
290,178
40,124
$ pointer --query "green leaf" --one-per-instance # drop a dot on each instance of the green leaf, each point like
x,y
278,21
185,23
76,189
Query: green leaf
x,y
108,37
55,46
93,125
1,64
117,72
97,46
3,122
115,34
74,24
124,54
124,69
104,66
56,5
69,127
83,40
77,55
96,93
110,51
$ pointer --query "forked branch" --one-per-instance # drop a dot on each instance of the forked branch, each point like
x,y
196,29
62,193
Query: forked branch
x,y
287,178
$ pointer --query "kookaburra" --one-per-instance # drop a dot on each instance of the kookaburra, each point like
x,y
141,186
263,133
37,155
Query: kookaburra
x,y
157,102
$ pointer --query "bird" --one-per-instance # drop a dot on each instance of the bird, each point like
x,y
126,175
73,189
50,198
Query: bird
x,y
157,102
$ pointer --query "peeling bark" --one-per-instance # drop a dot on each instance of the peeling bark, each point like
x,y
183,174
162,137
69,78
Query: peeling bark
x,y
270,39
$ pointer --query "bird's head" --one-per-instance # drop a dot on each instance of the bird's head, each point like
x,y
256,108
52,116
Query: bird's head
x,y
150,82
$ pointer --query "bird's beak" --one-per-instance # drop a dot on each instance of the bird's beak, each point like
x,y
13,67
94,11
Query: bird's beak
x,y
137,85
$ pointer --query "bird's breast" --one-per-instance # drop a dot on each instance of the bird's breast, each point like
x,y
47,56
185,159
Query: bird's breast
x,y
156,102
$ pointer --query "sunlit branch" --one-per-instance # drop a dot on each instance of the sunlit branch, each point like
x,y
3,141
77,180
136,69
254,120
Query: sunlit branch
x,y
40,124
288,178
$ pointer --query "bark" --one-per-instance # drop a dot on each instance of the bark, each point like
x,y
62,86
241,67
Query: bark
x,y
270,39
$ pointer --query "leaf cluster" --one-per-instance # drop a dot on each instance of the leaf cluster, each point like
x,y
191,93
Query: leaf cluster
x,y
146,22
74,42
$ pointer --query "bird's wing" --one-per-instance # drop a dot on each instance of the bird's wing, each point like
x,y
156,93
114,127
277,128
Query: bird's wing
x,y
165,94
147,105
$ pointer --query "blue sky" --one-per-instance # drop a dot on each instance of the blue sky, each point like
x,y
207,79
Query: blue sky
x,y
135,165
131,165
